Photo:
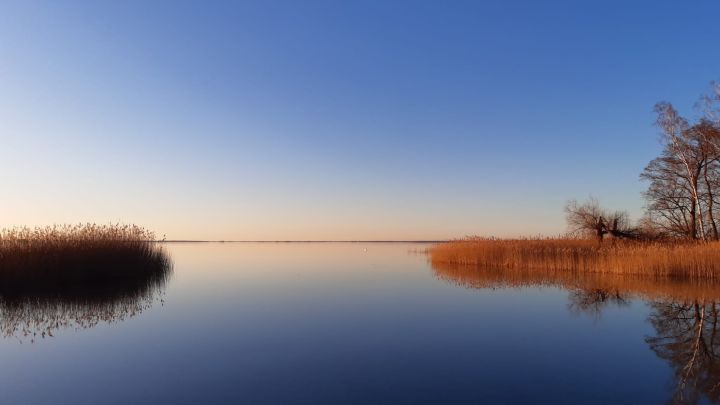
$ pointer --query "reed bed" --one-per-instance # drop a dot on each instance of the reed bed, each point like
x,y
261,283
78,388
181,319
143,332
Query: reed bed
x,y
672,260
86,262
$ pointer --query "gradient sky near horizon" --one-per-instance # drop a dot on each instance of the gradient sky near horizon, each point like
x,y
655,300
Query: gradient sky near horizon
x,y
288,120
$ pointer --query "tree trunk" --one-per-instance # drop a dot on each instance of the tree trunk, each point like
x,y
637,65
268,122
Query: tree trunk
x,y
711,216
701,221
600,229
692,232
696,196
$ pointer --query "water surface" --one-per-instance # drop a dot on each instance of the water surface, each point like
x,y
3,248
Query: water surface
x,y
329,323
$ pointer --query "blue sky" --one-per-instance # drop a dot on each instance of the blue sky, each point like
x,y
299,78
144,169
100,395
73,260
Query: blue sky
x,y
338,120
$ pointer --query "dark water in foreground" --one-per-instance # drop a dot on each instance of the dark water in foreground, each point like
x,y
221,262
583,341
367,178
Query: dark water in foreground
x,y
358,323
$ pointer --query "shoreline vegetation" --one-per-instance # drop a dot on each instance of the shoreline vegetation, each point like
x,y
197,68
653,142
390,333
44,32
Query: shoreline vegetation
x,y
79,261
677,238
667,259
61,277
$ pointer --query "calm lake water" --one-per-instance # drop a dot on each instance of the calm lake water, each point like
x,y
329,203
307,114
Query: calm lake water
x,y
342,323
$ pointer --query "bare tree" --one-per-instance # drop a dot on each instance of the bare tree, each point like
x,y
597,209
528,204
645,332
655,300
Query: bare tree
x,y
683,146
709,104
684,182
589,219
681,194
708,136
670,204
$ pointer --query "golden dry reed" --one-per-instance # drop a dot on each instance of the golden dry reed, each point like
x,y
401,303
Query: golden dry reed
x,y
674,260
79,260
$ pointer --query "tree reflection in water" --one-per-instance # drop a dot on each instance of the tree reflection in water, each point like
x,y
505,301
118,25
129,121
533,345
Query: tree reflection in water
x,y
29,315
684,316
594,300
686,336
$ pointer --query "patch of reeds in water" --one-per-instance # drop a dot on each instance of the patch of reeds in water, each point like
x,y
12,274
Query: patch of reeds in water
x,y
77,276
689,261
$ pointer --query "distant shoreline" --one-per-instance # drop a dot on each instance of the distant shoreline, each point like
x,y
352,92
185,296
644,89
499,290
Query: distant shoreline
x,y
302,241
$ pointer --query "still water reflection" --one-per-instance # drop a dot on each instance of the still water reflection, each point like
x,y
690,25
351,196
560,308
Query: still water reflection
x,y
684,316
363,323
34,316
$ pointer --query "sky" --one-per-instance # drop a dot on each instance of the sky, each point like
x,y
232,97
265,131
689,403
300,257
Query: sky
x,y
338,120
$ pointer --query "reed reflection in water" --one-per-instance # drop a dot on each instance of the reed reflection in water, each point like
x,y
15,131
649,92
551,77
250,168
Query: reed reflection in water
x,y
28,314
684,315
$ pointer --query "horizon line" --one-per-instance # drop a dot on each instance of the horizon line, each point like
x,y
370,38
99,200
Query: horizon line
x,y
302,241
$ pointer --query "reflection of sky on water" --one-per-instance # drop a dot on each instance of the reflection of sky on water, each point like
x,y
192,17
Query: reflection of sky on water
x,y
342,323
